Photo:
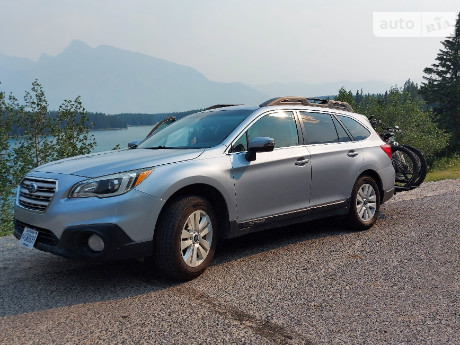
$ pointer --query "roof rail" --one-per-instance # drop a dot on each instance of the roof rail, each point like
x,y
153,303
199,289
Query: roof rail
x,y
315,102
220,106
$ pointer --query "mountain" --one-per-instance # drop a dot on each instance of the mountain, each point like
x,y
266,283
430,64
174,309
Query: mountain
x,y
315,90
112,80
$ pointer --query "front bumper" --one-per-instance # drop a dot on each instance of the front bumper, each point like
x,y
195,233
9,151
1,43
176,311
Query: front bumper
x,y
126,222
73,243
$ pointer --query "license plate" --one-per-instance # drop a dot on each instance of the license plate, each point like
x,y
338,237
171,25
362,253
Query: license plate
x,y
28,238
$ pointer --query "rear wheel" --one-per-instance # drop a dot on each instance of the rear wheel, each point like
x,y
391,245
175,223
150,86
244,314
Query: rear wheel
x,y
185,238
365,204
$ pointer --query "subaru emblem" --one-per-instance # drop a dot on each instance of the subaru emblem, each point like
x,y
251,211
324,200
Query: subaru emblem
x,y
32,187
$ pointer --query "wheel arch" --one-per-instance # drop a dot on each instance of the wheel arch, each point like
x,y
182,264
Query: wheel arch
x,y
208,192
376,177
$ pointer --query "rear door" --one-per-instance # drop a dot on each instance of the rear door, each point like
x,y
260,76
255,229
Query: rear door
x,y
336,159
278,181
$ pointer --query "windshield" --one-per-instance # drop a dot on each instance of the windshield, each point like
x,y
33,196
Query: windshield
x,y
200,130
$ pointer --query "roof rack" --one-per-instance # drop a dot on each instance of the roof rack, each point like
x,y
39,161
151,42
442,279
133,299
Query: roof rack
x,y
315,102
220,106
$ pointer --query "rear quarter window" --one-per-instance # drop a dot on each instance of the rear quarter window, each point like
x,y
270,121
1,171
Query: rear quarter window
x,y
357,130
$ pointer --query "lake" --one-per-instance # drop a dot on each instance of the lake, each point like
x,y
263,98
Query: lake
x,y
107,139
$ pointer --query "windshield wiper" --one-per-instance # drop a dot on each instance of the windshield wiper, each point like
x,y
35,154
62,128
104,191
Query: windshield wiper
x,y
169,147
160,147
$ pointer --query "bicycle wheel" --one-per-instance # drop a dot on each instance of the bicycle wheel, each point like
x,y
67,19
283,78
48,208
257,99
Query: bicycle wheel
x,y
405,165
423,167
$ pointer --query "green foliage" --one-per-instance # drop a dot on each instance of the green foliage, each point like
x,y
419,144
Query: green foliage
x,y
35,147
346,96
70,131
442,87
44,138
402,107
448,162
445,168
7,107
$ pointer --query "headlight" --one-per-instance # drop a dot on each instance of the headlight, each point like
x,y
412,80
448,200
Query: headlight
x,y
110,185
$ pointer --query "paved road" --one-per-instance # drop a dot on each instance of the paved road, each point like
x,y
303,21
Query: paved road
x,y
315,283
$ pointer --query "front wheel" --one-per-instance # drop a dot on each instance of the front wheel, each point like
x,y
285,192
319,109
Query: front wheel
x,y
185,238
365,204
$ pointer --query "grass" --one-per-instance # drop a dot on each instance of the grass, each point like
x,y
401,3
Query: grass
x,y
446,168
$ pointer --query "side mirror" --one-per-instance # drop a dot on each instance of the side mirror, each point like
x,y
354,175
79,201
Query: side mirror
x,y
259,144
134,144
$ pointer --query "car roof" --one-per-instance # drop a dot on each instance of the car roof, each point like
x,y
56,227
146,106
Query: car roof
x,y
287,101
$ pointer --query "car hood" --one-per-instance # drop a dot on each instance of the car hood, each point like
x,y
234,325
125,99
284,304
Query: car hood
x,y
111,162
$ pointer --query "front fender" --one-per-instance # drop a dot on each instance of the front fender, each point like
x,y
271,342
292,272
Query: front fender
x,y
167,179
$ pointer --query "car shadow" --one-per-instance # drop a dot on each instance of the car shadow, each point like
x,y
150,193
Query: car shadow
x,y
48,281
266,240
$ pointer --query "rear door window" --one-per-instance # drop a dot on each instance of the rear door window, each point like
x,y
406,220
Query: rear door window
x,y
318,128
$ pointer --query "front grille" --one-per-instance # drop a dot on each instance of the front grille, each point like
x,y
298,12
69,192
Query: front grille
x,y
44,236
36,193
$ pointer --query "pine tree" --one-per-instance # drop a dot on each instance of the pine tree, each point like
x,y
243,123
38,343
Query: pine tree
x,y
442,87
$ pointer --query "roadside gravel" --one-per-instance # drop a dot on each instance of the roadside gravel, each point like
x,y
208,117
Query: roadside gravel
x,y
314,283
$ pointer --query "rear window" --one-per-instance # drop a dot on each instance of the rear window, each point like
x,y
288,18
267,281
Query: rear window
x,y
357,130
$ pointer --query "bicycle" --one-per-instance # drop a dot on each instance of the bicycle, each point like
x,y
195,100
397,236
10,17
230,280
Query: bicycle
x,y
409,163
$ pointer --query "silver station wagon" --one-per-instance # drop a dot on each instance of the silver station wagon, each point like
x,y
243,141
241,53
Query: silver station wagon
x,y
220,173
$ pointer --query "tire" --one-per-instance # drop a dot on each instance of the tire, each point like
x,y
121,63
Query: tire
x,y
185,238
365,204
423,167
405,165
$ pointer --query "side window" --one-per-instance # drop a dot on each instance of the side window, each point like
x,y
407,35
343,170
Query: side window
x,y
319,128
343,136
241,144
279,126
357,130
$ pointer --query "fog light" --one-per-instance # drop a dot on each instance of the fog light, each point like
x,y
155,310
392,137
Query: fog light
x,y
96,243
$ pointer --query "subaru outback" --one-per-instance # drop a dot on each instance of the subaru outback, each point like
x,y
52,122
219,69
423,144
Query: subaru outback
x,y
216,174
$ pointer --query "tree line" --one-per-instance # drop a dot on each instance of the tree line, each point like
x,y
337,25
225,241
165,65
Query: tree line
x,y
403,107
100,121
429,114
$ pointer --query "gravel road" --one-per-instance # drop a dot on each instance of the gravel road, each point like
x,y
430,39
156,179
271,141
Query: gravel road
x,y
314,283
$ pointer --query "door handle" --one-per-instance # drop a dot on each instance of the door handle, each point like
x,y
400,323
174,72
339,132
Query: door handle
x,y
301,161
352,153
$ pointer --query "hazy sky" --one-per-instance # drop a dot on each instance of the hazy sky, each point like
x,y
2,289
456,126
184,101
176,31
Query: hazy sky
x,y
247,41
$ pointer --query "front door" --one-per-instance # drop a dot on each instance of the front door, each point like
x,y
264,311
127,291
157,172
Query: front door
x,y
276,182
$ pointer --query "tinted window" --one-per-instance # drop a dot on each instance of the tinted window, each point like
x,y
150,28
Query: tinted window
x,y
319,128
279,126
200,130
357,130
343,136
241,144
